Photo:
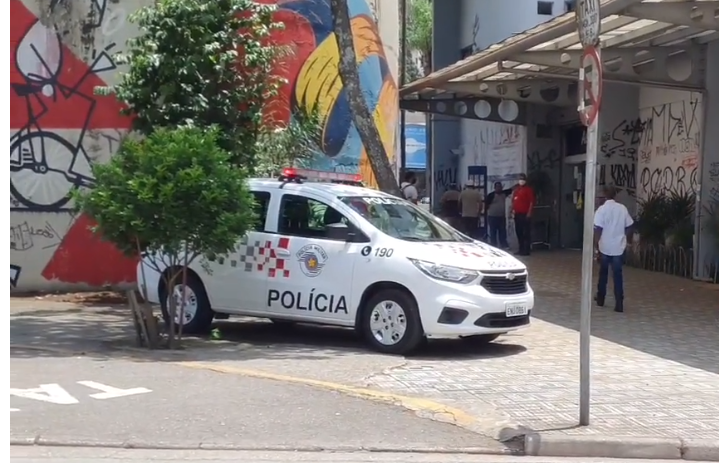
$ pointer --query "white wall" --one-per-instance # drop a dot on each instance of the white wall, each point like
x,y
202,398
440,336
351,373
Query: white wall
x,y
486,22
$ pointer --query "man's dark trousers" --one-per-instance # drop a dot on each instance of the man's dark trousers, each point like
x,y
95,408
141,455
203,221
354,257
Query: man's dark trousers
x,y
471,226
615,262
497,231
522,226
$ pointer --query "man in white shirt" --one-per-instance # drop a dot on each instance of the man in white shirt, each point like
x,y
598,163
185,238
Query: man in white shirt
x,y
409,190
612,224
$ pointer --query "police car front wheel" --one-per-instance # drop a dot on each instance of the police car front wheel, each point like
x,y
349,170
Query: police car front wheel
x,y
391,323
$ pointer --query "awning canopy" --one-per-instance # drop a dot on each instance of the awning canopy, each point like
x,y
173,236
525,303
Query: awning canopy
x,y
652,42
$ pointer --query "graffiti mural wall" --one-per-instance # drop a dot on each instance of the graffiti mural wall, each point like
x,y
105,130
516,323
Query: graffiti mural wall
x,y
314,82
61,50
670,146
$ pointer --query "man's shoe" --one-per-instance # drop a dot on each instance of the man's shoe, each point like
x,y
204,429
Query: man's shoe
x,y
619,306
599,300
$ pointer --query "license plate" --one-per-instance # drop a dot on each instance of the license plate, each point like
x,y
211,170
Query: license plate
x,y
512,309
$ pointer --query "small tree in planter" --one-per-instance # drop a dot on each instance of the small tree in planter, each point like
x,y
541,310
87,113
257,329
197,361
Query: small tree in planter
x,y
170,198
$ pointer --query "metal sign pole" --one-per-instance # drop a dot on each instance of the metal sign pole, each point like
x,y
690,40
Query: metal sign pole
x,y
590,194
589,28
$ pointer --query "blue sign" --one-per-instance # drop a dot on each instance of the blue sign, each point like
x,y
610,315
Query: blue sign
x,y
415,145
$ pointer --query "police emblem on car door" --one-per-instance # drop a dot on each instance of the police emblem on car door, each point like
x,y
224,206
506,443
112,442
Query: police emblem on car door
x,y
312,259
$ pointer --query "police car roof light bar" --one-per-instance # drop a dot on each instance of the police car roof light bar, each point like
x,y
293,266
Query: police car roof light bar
x,y
292,174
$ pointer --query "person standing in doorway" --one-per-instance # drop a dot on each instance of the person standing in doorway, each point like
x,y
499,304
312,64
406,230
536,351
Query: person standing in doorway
x,y
522,206
470,204
408,188
496,204
612,227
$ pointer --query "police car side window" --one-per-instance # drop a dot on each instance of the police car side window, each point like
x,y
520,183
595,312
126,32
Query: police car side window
x,y
262,204
300,216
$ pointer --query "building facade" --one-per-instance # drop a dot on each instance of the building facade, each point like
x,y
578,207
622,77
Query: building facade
x,y
61,51
660,96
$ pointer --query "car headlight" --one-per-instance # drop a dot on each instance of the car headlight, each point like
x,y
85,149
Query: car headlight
x,y
445,272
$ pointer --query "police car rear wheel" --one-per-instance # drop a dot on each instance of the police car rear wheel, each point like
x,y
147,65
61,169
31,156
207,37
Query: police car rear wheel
x,y
197,316
391,323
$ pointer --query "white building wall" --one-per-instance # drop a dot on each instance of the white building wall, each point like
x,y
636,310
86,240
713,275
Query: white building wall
x,y
485,22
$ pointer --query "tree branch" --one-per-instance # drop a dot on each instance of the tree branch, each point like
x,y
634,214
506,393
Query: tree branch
x,y
361,115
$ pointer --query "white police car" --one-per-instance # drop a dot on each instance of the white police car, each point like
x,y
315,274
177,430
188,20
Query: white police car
x,y
336,254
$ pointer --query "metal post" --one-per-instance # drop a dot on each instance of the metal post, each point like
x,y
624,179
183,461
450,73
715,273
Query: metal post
x,y
402,81
590,195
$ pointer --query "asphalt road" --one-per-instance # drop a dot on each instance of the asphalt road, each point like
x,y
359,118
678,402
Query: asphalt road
x,y
164,403
70,455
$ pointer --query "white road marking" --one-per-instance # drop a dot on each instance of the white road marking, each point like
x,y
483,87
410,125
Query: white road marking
x,y
52,393
109,392
14,409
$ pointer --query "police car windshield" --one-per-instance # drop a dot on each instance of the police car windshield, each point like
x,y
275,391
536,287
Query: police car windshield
x,y
401,219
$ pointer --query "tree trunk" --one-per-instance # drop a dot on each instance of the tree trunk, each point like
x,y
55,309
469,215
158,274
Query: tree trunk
x,y
361,116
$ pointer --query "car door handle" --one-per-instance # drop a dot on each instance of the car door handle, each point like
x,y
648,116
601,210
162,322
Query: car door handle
x,y
282,252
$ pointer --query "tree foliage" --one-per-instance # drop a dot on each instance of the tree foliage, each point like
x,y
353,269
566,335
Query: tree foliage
x,y
203,63
173,195
419,34
288,145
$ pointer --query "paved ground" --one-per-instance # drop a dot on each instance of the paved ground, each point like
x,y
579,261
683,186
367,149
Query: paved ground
x,y
655,368
181,406
69,455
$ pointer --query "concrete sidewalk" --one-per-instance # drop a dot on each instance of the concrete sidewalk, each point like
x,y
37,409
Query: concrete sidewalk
x,y
84,455
156,405
655,371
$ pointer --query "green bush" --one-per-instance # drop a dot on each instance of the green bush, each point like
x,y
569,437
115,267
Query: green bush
x,y
174,192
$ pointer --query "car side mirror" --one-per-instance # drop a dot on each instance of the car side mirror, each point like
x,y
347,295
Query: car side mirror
x,y
339,232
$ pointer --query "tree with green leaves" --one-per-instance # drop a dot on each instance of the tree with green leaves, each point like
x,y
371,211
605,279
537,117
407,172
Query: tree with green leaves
x,y
201,63
288,145
418,37
361,115
171,197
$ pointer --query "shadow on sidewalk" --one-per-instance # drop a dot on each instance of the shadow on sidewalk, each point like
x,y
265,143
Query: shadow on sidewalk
x,y
106,331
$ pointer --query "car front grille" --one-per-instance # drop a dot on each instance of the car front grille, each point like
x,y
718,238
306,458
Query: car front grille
x,y
500,284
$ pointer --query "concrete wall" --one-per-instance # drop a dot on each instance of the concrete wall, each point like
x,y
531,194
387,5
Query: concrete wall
x,y
708,229
444,132
620,132
485,22
63,53
480,23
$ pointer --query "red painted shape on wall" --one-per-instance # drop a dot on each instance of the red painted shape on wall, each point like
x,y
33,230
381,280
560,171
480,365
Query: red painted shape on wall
x,y
298,34
84,258
73,104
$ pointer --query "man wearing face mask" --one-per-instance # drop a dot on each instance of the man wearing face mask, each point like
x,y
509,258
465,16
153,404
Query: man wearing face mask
x,y
522,205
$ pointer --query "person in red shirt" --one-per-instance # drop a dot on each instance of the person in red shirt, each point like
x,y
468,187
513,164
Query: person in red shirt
x,y
522,205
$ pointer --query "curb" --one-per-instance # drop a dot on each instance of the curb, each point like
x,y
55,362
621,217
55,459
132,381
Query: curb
x,y
650,448
39,440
